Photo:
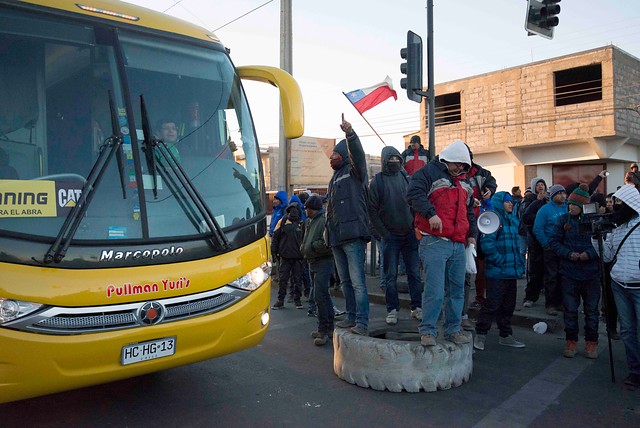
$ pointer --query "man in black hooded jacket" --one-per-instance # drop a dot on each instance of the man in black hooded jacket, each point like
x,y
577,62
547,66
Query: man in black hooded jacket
x,y
392,222
285,244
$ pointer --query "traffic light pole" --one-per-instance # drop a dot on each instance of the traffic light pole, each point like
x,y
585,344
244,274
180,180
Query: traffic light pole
x,y
431,99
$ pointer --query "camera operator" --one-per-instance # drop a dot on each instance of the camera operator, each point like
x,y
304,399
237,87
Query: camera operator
x,y
579,275
625,274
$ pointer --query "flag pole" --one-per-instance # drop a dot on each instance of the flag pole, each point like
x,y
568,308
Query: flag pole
x,y
365,119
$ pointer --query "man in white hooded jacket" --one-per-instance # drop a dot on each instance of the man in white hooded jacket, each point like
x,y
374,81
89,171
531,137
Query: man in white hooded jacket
x,y
625,274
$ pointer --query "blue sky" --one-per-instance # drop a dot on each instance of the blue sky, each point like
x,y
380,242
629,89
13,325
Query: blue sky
x,y
340,46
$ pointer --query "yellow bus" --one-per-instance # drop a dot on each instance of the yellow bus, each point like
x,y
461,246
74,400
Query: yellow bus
x,y
131,241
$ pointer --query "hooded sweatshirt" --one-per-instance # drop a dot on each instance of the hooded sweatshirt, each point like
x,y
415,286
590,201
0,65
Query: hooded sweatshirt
x,y
501,248
388,209
433,190
626,269
278,210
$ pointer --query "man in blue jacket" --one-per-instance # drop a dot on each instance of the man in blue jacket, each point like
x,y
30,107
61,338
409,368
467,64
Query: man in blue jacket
x,y
347,226
280,202
546,219
504,264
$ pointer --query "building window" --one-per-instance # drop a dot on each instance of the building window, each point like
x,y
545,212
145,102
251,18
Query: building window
x,y
447,109
578,85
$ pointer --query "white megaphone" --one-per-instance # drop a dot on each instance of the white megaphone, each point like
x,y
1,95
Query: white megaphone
x,y
488,222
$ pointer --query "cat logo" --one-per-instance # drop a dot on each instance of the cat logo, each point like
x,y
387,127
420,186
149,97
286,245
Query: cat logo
x,y
68,198
68,195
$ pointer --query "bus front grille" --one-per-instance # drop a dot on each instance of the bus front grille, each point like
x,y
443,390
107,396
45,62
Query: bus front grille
x,y
68,321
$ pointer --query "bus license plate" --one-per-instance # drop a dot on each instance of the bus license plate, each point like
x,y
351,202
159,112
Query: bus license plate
x,y
145,351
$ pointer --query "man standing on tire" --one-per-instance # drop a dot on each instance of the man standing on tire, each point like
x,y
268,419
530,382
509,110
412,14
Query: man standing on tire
x,y
442,199
348,226
392,222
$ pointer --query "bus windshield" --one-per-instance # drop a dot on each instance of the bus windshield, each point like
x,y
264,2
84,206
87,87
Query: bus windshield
x,y
52,132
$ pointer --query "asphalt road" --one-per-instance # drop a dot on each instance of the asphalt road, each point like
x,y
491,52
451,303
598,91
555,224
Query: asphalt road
x,y
287,381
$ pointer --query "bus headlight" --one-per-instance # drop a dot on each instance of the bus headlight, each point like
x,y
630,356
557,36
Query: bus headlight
x,y
11,309
253,279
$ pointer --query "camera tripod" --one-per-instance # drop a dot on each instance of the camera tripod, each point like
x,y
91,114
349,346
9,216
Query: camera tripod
x,y
605,299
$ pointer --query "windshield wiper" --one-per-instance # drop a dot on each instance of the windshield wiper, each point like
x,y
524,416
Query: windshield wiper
x,y
115,133
59,248
151,145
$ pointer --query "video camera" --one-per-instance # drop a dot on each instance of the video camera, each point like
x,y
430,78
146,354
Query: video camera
x,y
593,222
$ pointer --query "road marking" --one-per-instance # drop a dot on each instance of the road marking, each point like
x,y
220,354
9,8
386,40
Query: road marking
x,y
523,407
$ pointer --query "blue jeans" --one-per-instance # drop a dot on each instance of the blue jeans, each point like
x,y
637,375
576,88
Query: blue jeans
x,y
383,277
589,291
349,260
393,246
628,303
445,265
321,271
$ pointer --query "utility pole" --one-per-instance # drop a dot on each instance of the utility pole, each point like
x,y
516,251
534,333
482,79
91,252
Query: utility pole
x,y
431,99
286,63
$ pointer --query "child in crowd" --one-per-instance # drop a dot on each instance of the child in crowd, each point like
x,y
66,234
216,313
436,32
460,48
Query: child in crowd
x,y
504,265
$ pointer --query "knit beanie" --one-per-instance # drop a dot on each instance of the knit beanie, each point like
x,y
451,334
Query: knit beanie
x,y
555,189
580,196
341,149
314,203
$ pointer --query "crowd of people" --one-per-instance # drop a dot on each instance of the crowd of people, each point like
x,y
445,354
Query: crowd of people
x,y
423,214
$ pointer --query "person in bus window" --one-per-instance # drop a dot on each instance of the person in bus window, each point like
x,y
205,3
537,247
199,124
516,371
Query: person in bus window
x,y
168,133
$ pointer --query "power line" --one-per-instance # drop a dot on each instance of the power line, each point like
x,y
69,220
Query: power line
x,y
170,7
242,16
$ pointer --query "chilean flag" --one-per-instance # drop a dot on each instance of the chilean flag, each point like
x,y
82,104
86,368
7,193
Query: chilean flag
x,y
366,98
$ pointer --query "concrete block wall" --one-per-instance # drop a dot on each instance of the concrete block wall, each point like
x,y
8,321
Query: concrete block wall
x,y
515,107
626,77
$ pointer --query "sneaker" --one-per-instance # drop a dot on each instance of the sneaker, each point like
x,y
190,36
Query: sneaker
x,y
346,323
570,348
428,340
321,340
278,305
337,312
459,338
551,311
358,329
392,317
591,350
632,380
416,313
475,306
510,341
311,313
299,305
527,304
316,334
467,325
478,341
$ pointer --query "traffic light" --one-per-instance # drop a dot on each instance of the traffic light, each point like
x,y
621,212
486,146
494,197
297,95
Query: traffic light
x,y
413,67
542,17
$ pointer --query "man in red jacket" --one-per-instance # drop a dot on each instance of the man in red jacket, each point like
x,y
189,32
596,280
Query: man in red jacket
x,y
442,199
415,156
